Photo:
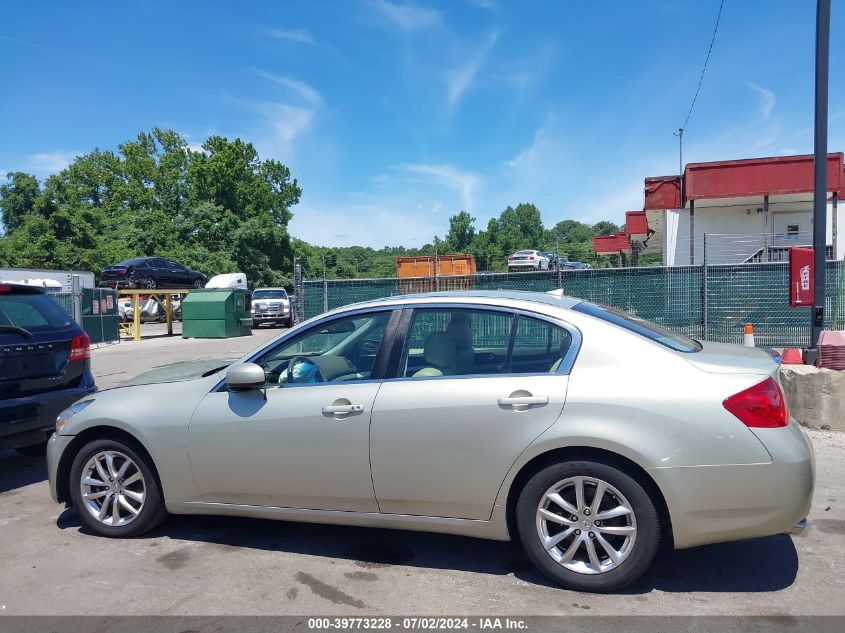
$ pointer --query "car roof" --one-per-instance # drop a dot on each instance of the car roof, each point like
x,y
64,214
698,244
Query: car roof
x,y
269,288
23,289
562,301
133,260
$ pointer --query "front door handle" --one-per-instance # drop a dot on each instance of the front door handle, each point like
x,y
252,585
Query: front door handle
x,y
522,401
341,409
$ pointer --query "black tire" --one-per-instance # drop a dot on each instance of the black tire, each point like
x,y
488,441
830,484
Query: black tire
x,y
197,283
645,545
150,283
153,511
33,450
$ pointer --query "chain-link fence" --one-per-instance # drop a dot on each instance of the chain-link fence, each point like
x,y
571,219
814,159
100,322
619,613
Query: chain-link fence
x,y
706,302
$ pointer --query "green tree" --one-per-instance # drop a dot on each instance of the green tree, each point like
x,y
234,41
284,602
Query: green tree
x,y
605,228
461,232
18,199
218,210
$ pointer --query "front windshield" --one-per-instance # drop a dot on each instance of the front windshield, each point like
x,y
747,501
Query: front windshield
x,y
270,294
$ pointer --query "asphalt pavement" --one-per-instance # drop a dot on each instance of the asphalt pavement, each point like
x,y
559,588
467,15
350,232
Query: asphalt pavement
x,y
220,565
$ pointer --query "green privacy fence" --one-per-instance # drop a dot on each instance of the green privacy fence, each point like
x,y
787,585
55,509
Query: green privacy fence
x,y
705,302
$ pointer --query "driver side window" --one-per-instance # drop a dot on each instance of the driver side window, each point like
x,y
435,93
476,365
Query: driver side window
x,y
339,350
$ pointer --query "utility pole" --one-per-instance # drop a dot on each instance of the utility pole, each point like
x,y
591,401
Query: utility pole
x,y
680,135
820,169
325,287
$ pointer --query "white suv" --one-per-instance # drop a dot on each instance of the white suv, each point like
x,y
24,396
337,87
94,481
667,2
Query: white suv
x,y
528,260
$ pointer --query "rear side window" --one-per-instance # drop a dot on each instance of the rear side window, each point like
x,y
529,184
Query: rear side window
x,y
466,342
32,312
650,330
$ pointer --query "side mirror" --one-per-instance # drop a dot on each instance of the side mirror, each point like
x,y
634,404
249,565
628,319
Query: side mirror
x,y
245,376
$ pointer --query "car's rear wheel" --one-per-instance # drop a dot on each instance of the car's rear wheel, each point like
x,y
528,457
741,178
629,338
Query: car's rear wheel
x,y
114,489
588,526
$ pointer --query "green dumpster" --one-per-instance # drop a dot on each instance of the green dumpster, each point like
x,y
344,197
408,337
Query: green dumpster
x,y
215,313
99,314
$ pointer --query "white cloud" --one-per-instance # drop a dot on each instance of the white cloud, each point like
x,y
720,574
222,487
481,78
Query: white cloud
x,y
767,99
407,16
306,92
298,36
488,5
532,156
49,162
288,123
465,183
277,126
347,224
459,80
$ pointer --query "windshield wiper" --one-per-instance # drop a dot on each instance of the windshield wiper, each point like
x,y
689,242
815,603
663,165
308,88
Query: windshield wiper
x,y
14,328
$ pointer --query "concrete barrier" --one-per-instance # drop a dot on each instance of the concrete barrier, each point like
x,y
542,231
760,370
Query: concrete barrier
x,y
816,397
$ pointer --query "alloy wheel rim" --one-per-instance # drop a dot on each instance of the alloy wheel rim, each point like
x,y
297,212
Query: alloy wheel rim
x,y
586,525
113,488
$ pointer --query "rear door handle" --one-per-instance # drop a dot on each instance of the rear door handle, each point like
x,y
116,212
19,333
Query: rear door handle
x,y
523,402
336,409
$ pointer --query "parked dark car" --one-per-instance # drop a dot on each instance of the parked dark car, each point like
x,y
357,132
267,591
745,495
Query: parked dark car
x,y
151,273
571,264
45,366
553,259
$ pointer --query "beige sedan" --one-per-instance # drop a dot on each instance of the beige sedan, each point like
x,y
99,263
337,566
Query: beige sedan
x,y
593,437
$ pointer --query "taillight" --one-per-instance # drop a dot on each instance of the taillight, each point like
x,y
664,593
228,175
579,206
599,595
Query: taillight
x,y
80,348
760,406
531,258
5,288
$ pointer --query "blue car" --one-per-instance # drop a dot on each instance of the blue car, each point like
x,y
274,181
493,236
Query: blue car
x,y
45,366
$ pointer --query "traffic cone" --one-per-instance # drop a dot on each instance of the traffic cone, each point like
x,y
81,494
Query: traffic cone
x,y
792,357
748,341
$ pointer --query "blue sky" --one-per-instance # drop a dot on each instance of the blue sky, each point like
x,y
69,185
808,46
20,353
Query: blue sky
x,y
393,115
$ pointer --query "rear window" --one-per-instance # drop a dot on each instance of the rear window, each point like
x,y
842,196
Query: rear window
x,y
642,327
525,252
132,262
33,312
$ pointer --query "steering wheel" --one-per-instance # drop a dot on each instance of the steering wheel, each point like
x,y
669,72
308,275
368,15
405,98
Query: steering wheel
x,y
299,360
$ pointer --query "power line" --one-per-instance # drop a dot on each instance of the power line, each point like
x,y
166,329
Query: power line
x,y
706,59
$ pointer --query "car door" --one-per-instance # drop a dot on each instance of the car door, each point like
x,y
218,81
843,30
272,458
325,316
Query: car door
x,y
178,274
160,271
306,445
442,438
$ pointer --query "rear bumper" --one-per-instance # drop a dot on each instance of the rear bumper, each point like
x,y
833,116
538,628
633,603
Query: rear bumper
x,y
711,504
31,419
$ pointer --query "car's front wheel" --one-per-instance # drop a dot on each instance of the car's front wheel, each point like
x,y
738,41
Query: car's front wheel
x,y
150,283
197,283
588,525
114,489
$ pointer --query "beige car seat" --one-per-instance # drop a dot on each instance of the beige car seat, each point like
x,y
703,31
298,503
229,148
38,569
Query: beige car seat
x,y
439,353
461,334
